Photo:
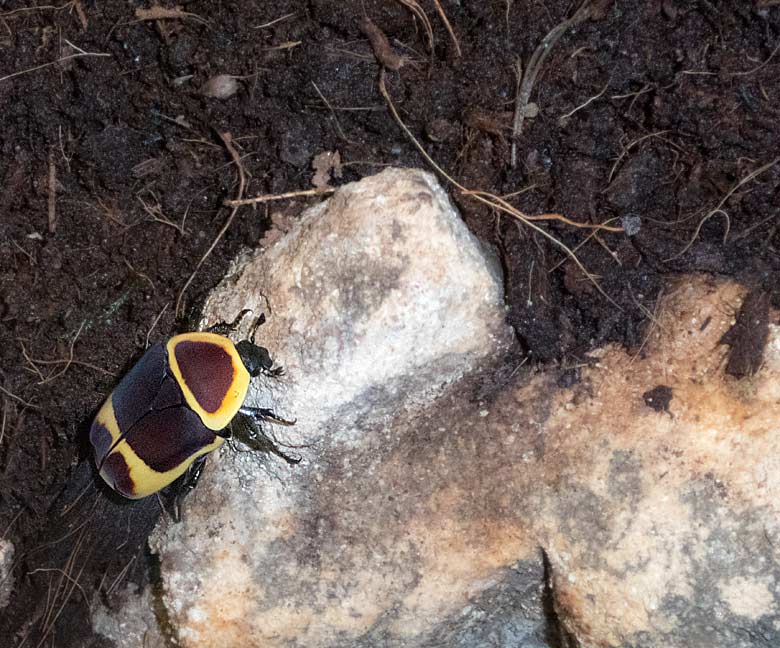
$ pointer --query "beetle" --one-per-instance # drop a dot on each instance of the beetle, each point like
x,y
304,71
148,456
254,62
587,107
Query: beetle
x,y
179,402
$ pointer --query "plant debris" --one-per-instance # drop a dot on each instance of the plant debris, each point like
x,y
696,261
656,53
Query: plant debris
x,y
382,50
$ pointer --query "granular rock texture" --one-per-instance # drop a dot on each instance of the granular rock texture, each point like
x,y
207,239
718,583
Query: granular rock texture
x,y
662,527
131,622
6,577
564,507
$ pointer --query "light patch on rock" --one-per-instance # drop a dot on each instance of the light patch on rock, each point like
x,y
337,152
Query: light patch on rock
x,y
651,503
772,353
749,597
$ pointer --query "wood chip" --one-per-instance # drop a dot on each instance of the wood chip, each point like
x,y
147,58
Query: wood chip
x,y
382,50
157,12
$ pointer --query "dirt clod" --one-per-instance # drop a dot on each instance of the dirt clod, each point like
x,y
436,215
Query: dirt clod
x,y
747,338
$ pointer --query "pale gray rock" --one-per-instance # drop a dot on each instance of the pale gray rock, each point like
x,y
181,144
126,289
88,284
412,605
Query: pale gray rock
x,y
6,576
377,301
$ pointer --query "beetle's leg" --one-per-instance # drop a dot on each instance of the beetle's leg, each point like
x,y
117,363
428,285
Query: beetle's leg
x,y
184,485
246,429
259,321
223,328
264,414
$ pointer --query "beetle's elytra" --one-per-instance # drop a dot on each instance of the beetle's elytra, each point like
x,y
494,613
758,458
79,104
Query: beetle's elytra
x,y
175,406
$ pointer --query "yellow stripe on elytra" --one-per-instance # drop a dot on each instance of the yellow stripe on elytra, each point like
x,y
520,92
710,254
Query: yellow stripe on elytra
x,y
236,393
107,419
147,481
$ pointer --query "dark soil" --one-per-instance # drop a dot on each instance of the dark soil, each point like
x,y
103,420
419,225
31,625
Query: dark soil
x,y
684,106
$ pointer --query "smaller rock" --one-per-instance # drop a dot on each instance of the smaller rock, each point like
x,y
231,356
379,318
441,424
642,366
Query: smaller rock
x,y
6,578
221,86
326,167
631,224
132,623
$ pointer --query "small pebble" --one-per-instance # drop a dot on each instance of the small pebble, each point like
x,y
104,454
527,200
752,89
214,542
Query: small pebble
x,y
221,86
631,224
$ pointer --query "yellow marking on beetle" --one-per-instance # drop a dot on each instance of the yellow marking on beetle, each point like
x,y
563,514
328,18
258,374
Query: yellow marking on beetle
x,y
147,481
236,393
107,419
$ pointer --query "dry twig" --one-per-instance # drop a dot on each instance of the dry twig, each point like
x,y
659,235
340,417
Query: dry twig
x,y
52,186
333,114
283,46
282,196
8,14
79,54
66,585
419,12
758,67
155,210
70,360
629,146
535,65
2,425
447,24
18,398
654,322
584,104
154,324
274,21
164,13
542,217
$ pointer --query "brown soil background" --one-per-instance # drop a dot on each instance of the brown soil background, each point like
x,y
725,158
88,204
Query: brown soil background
x,y
686,106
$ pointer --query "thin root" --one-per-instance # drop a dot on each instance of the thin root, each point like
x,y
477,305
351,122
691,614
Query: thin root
x,y
52,187
80,53
419,12
282,196
718,209
447,24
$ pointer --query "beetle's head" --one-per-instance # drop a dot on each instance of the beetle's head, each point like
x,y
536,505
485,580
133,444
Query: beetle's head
x,y
256,359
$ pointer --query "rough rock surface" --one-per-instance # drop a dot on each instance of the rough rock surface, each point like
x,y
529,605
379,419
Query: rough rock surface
x,y
376,301
662,527
131,622
628,502
6,577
